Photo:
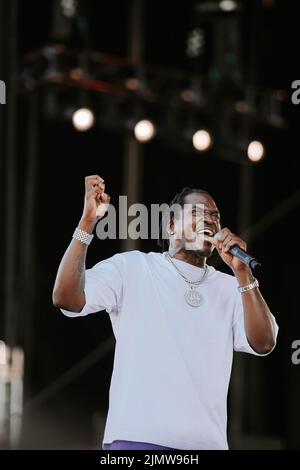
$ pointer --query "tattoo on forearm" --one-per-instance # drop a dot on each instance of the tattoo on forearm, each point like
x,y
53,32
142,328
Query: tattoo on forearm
x,y
79,264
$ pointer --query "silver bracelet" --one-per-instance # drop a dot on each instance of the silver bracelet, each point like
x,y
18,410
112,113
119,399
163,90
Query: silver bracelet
x,y
82,236
249,286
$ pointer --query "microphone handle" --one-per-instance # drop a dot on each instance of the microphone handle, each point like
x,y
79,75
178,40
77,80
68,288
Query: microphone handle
x,y
244,257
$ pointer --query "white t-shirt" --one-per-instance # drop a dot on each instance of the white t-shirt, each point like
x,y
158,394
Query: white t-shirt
x,y
172,361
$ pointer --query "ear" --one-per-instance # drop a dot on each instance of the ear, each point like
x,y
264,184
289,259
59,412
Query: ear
x,y
170,228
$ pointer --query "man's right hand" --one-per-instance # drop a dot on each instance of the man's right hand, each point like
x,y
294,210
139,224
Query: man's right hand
x,y
96,201
68,292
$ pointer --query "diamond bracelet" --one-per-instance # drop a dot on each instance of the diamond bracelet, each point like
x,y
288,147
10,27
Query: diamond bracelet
x,y
82,236
249,286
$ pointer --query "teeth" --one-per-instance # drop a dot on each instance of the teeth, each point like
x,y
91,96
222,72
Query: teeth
x,y
207,232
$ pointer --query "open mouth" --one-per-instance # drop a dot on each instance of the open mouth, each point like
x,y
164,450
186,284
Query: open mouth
x,y
206,231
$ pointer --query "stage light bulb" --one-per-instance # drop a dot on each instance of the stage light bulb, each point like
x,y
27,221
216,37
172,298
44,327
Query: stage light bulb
x,y
144,130
255,151
202,140
83,119
228,5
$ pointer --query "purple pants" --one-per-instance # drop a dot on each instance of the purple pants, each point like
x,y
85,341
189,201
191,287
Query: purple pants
x,y
131,445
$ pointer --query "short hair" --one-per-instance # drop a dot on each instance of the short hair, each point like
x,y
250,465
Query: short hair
x,y
179,198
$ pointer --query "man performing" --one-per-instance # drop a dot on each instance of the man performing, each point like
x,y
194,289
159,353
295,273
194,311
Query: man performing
x,y
176,321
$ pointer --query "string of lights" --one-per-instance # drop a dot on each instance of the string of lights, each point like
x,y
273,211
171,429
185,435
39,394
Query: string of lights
x,y
149,101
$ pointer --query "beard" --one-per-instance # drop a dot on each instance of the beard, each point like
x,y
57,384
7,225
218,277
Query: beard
x,y
197,254
194,249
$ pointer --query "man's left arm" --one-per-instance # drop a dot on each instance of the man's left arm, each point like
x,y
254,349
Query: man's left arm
x,y
259,326
258,321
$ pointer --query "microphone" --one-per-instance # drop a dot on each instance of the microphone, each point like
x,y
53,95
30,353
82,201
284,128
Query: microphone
x,y
243,256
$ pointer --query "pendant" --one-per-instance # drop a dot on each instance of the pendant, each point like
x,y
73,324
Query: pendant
x,y
193,298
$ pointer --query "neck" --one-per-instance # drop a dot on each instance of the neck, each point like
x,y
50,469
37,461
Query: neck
x,y
195,258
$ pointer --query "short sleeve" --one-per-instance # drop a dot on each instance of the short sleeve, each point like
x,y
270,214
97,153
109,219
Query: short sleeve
x,y
103,288
240,342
